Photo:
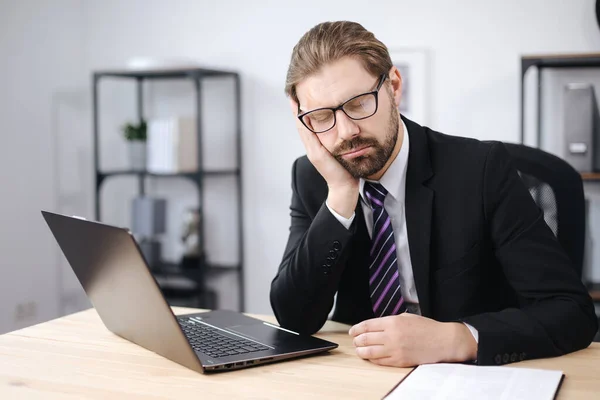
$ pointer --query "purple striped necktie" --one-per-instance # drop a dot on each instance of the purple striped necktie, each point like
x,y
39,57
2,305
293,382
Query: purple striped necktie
x,y
384,284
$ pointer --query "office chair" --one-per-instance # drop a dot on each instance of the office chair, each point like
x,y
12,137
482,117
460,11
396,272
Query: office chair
x,y
557,189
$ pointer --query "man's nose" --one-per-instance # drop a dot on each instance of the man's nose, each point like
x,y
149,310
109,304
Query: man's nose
x,y
347,128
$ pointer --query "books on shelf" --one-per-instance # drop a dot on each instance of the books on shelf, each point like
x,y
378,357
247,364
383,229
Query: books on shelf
x,y
172,145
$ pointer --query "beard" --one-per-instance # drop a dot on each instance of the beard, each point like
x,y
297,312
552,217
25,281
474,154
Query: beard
x,y
365,166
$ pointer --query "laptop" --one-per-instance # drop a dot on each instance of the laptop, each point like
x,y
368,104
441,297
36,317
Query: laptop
x,y
115,276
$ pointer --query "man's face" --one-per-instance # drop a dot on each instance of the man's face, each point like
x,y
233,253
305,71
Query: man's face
x,y
364,146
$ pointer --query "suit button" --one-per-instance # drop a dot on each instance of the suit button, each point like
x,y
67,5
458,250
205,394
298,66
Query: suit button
x,y
505,358
513,357
522,356
330,258
326,272
337,245
328,263
333,254
498,359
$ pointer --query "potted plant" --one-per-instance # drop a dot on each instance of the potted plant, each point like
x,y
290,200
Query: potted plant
x,y
136,135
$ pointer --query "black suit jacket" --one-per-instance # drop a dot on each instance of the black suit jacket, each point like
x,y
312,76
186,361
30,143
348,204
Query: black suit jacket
x,y
481,253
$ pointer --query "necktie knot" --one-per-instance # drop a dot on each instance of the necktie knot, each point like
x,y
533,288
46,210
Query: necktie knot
x,y
376,193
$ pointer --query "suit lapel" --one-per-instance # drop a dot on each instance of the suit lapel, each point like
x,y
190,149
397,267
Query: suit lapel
x,y
362,235
418,206
362,246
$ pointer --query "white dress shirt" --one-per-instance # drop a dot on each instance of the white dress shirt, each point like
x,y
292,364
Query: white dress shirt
x,y
394,181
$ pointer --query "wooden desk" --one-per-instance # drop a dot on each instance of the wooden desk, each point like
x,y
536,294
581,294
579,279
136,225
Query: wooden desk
x,y
76,356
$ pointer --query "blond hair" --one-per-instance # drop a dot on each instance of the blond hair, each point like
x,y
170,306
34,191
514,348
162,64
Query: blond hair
x,y
329,42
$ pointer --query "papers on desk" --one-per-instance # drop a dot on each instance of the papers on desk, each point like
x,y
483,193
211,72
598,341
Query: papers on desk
x,y
470,382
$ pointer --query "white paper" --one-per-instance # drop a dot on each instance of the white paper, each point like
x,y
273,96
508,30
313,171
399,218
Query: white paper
x,y
470,382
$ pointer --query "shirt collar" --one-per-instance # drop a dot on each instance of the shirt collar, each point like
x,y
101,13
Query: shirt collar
x,y
394,179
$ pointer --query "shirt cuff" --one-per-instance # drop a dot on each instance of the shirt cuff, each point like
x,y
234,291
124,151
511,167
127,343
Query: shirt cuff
x,y
344,221
474,332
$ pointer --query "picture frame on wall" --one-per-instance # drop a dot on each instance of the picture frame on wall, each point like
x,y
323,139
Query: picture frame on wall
x,y
413,65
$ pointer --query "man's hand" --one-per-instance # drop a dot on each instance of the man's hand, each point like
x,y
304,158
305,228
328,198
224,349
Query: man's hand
x,y
343,187
407,340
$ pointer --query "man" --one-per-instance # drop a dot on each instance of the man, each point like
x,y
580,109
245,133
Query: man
x,y
434,247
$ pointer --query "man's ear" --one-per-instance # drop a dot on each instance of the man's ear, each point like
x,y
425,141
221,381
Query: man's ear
x,y
396,84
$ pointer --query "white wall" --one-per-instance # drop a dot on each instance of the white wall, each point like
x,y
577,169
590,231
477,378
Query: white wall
x,y
41,70
474,48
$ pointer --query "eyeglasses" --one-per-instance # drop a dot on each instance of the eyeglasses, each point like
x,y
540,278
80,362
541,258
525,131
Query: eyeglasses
x,y
357,108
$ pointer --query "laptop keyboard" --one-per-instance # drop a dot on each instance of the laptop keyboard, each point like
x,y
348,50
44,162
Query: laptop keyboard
x,y
215,343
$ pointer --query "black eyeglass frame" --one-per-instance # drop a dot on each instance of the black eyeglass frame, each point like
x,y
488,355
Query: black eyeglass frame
x,y
374,93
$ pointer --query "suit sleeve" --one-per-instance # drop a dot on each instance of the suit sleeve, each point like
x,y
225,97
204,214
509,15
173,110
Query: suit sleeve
x,y
556,314
303,290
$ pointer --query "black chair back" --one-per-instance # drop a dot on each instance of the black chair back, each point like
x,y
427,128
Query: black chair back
x,y
557,189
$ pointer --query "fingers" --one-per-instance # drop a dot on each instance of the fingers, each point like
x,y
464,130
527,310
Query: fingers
x,y
369,339
384,361
369,325
316,152
372,352
394,361
310,140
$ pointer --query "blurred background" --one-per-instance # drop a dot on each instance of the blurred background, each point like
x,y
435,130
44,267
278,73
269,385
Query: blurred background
x,y
169,117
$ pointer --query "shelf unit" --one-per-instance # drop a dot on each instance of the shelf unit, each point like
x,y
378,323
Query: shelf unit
x,y
166,270
590,60
590,176
541,62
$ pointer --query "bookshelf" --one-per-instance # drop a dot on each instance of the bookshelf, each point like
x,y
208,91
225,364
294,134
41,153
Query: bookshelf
x,y
166,271
543,61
